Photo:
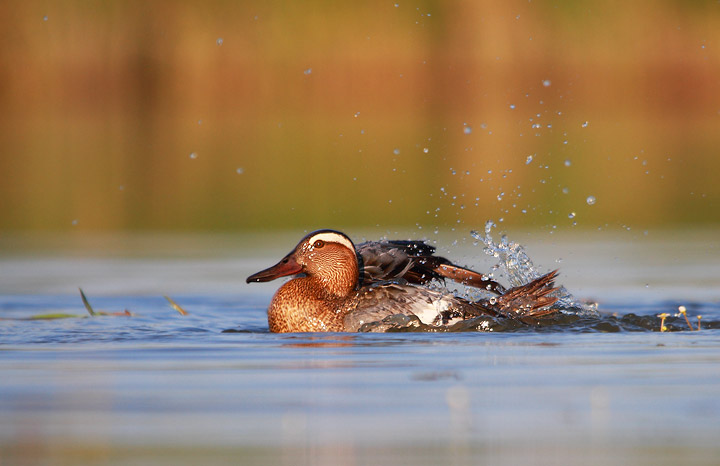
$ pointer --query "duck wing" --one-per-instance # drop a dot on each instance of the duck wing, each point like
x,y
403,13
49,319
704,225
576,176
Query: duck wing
x,y
398,298
415,262
374,305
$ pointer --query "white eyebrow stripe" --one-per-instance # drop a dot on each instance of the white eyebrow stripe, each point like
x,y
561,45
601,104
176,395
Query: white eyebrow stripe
x,y
332,238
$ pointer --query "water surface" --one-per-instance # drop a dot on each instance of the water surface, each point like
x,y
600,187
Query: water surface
x,y
162,388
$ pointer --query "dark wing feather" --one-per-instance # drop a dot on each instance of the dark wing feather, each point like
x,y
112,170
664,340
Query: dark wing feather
x,y
388,260
415,262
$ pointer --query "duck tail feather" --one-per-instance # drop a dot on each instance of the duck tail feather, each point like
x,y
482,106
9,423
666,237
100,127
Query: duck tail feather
x,y
530,300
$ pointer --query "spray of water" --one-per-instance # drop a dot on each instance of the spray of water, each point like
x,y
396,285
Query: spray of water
x,y
520,270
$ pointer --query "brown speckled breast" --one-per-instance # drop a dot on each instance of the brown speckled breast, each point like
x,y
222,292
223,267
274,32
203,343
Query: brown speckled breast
x,y
298,306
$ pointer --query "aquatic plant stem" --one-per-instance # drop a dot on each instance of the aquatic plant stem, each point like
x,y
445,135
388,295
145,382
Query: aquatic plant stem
x,y
176,306
683,311
86,303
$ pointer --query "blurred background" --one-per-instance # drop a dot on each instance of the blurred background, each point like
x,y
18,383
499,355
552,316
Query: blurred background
x,y
248,116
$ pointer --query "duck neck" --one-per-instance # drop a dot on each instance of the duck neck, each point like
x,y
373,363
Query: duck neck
x,y
338,286
337,279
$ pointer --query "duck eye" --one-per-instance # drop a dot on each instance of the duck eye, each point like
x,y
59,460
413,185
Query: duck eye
x,y
318,244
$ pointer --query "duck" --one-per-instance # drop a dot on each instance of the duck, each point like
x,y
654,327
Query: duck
x,y
381,285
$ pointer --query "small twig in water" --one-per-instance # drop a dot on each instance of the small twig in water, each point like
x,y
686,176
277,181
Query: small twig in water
x,y
176,306
663,316
86,303
683,311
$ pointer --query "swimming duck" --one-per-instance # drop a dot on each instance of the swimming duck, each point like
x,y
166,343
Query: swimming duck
x,y
342,288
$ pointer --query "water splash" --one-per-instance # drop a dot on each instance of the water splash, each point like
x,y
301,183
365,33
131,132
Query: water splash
x,y
520,270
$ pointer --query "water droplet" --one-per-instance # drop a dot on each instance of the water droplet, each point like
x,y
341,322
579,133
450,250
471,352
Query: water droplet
x,y
590,200
193,155
308,71
467,130
467,172
239,171
567,162
397,5
500,196
199,122
219,41
426,150
565,190
547,83
121,187
571,215
45,18
74,222
357,114
529,159
396,151
584,125
512,106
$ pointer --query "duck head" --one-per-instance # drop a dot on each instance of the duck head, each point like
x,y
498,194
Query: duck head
x,y
325,256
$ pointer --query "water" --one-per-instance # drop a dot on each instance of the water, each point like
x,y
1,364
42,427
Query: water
x,y
161,388
520,270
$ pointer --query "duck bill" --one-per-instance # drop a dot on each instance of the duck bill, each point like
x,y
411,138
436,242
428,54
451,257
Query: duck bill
x,y
287,266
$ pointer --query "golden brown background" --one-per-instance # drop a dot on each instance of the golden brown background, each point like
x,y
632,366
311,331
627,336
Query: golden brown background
x,y
341,114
